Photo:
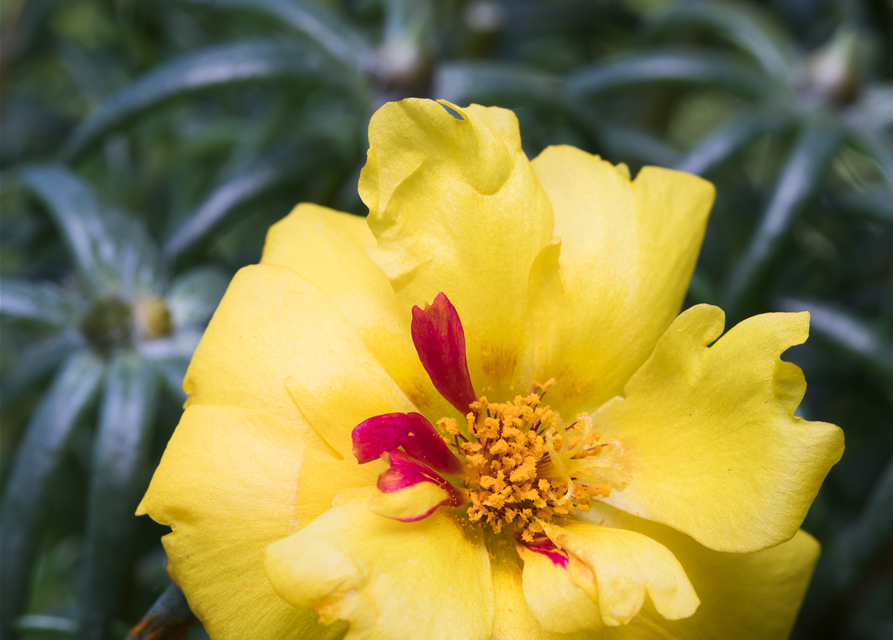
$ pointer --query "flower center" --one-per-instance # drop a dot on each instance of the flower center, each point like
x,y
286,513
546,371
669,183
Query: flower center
x,y
526,467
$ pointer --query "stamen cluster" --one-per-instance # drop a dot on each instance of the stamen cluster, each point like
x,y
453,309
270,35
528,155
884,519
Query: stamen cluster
x,y
526,467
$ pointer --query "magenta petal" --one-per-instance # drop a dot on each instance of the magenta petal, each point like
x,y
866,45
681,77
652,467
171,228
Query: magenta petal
x,y
405,471
440,342
413,432
542,544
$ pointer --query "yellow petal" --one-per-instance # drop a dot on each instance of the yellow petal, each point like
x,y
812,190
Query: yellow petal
x,y
711,445
455,208
428,579
410,503
556,602
231,482
513,619
328,249
628,249
275,341
743,595
616,568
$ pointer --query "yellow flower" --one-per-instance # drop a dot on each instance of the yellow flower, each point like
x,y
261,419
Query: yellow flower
x,y
599,467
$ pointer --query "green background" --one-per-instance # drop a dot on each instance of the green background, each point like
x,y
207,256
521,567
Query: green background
x,y
145,148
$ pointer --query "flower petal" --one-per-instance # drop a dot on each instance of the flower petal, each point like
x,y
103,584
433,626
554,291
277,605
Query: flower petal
x,y
627,251
411,431
455,207
743,595
389,579
616,568
410,491
273,326
328,249
440,341
711,445
557,603
231,482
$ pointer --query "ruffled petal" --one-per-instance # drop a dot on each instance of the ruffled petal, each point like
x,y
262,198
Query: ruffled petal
x,y
617,568
513,618
401,581
627,251
556,602
410,491
276,342
440,342
380,434
231,482
711,445
328,249
743,595
455,207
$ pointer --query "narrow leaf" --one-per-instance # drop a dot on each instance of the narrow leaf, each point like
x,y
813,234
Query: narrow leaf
x,y
173,372
516,85
737,25
168,619
668,67
877,145
854,338
325,28
112,253
41,302
171,357
634,145
463,82
54,624
36,363
30,478
875,205
219,66
120,460
194,296
861,543
252,181
856,549
801,177
722,145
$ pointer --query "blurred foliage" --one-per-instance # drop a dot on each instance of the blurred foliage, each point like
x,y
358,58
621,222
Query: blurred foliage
x,y
146,148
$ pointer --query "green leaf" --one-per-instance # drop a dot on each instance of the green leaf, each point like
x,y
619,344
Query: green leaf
x,y
173,372
36,363
112,253
325,28
119,467
40,302
30,478
739,25
194,295
253,180
722,145
490,82
517,85
867,537
59,626
876,144
875,205
854,338
802,176
625,143
220,66
669,67
168,618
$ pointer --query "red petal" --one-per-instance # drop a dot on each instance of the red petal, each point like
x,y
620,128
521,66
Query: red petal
x,y
405,471
542,544
440,342
413,432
